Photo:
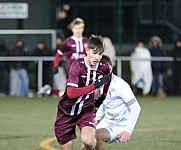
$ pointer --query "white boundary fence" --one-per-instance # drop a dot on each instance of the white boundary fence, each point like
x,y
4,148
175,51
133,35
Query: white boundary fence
x,y
120,59
40,60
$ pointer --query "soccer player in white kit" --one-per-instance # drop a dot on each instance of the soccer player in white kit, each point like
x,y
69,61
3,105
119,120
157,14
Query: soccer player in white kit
x,y
120,110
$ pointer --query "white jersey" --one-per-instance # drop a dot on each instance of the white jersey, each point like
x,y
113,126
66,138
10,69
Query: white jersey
x,y
120,106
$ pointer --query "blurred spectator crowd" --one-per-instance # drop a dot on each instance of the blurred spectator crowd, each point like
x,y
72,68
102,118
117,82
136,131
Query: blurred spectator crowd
x,y
15,75
155,77
146,76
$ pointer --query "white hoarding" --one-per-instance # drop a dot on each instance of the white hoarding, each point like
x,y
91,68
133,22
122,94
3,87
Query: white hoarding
x,y
13,10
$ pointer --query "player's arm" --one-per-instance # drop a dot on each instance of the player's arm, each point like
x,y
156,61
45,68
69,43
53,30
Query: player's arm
x,y
100,113
106,86
74,92
135,109
56,62
131,120
60,51
57,58
127,96
100,100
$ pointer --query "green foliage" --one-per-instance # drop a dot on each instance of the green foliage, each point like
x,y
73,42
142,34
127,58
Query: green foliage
x,y
25,122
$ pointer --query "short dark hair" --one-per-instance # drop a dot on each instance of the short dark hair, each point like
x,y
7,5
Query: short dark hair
x,y
106,59
96,43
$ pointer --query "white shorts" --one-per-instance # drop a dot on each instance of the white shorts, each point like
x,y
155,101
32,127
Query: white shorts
x,y
113,129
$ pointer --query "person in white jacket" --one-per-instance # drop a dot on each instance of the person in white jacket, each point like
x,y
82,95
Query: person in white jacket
x,y
141,71
117,115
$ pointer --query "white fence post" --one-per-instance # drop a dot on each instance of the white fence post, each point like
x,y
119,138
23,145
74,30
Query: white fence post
x,y
119,60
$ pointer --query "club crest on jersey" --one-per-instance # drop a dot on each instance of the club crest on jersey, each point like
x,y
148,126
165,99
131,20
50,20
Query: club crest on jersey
x,y
100,76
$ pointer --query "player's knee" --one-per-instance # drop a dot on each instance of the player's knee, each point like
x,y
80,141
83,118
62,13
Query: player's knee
x,y
98,135
101,135
89,143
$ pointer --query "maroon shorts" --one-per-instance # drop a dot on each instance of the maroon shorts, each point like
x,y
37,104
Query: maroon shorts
x,y
65,126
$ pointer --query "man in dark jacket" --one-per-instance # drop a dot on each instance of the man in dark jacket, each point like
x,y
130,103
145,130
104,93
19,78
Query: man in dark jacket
x,y
157,66
176,54
4,69
40,50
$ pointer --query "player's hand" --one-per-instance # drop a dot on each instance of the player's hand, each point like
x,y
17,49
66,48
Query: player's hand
x,y
124,137
99,101
105,79
55,70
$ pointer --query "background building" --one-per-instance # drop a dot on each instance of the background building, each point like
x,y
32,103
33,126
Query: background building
x,y
124,21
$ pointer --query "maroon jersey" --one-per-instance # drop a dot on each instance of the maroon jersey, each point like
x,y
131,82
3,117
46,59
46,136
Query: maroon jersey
x,y
81,75
72,48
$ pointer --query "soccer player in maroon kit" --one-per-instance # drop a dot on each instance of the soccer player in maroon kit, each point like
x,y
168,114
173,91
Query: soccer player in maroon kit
x,y
72,48
76,106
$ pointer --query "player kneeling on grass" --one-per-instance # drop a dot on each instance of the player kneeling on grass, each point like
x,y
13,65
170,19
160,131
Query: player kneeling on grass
x,y
120,110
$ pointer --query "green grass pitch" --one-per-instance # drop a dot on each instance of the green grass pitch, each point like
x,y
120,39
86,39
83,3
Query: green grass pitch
x,y
26,122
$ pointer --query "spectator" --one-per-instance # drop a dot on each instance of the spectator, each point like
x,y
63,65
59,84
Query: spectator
x,y
42,50
176,54
4,69
110,50
157,66
63,17
60,77
169,82
21,68
141,71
